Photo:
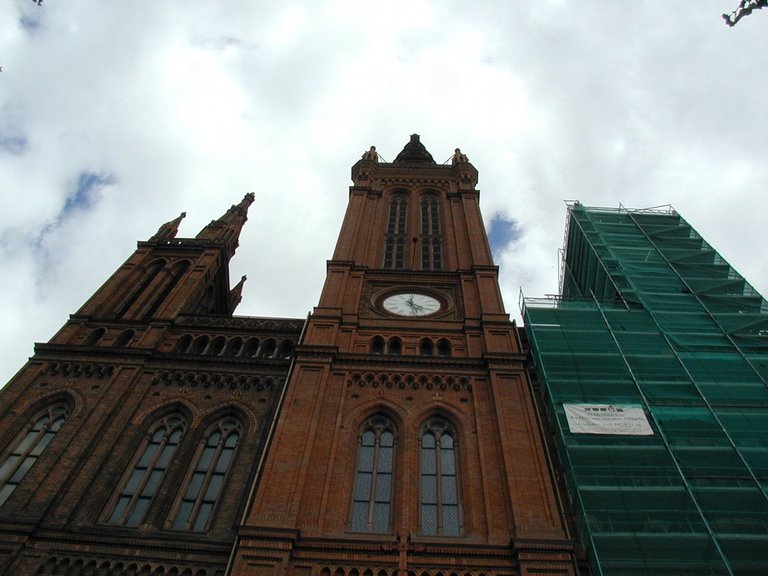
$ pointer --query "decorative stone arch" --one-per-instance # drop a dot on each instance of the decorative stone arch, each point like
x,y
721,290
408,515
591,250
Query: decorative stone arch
x,y
200,344
161,408
285,349
234,346
124,338
426,347
183,344
395,346
378,345
216,347
251,347
95,336
268,348
242,412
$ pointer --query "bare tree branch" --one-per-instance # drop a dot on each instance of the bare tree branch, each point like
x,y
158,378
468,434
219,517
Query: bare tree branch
x,y
745,9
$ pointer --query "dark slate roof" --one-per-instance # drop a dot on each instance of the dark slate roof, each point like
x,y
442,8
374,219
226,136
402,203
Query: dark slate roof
x,y
415,153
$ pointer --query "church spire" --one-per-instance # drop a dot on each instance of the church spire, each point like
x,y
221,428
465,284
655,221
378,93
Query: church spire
x,y
227,228
414,153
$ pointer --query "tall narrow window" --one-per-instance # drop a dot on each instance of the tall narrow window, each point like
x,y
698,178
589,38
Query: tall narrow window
x,y
174,275
431,240
372,504
142,484
29,446
394,248
149,275
214,459
440,514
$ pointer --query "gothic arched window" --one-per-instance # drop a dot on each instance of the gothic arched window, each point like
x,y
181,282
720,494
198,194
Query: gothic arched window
x,y
440,510
124,338
394,243
395,346
431,240
140,487
426,348
149,275
377,345
372,502
205,482
169,283
443,347
28,446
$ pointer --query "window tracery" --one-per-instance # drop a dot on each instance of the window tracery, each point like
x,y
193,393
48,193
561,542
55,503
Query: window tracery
x,y
140,486
372,501
394,244
431,239
440,504
29,446
210,468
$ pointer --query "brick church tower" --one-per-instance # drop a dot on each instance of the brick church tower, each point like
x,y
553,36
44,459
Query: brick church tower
x,y
407,442
392,433
129,441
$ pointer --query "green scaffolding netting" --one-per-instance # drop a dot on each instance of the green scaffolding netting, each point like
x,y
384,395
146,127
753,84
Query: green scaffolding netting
x,y
651,316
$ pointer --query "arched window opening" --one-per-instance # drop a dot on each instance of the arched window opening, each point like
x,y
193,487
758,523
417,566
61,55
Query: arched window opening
x,y
377,345
184,343
395,346
201,343
217,346
204,485
443,347
268,349
372,503
251,348
149,275
234,346
95,336
29,446
425,347
431,240
286,350
124,339
394,244
440,513
174,275
140,487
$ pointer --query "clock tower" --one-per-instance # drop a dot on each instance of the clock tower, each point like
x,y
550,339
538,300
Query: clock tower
x,y
407,439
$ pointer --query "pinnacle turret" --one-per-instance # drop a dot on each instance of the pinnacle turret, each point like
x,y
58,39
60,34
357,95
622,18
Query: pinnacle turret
x,y
236,294
169,229
227,228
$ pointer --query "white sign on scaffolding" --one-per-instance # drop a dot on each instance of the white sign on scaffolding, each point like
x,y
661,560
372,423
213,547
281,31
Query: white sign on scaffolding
x,y
607,419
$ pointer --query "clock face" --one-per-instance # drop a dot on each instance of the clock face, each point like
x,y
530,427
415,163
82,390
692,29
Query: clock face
x,y
411,304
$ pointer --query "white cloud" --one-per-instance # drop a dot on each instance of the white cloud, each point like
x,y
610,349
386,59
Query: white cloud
x,y
189,105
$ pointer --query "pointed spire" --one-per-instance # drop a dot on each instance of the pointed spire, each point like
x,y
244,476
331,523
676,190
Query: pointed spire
x,y
236,294
227,228
169,229
414,153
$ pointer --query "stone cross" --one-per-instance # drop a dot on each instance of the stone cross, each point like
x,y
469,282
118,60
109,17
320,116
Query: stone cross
x,y
403,546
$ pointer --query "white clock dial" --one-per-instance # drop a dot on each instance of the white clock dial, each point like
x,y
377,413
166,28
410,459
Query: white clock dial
x,y
411,304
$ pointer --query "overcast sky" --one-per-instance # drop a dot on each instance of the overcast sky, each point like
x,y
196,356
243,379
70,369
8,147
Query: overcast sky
x,y
117,116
